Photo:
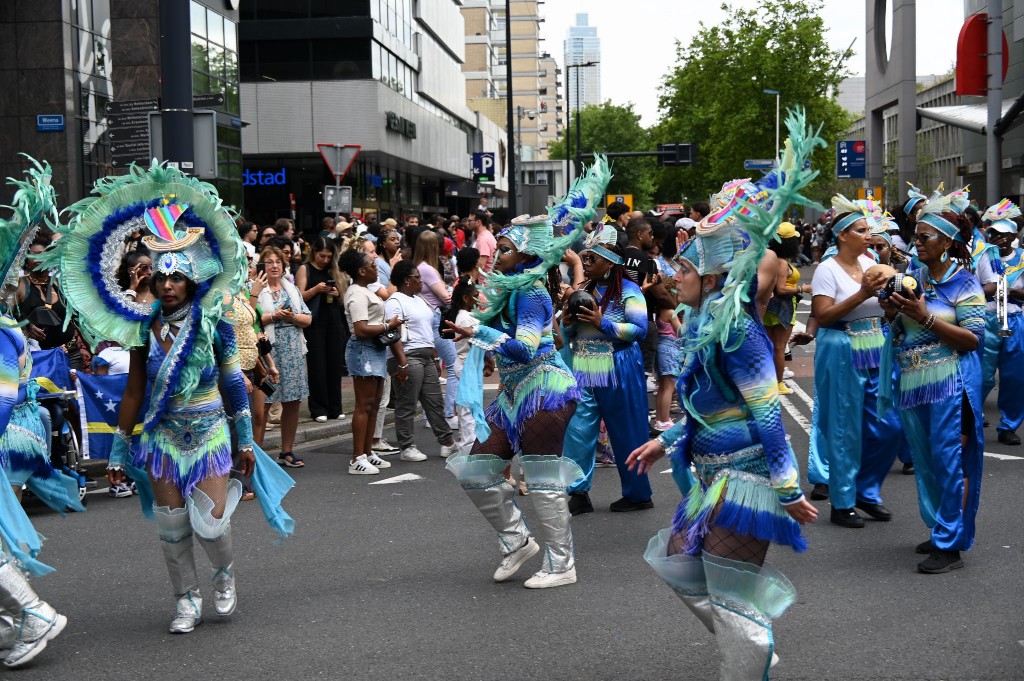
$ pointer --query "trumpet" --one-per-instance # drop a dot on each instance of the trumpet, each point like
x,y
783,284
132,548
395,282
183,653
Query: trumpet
x,y
1002,307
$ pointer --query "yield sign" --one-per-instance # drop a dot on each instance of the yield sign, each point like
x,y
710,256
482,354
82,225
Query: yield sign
x,y
339,157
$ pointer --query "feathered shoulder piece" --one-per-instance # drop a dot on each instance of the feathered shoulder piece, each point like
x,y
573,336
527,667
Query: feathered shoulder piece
x,y
547,240
34,204
185,222
759,220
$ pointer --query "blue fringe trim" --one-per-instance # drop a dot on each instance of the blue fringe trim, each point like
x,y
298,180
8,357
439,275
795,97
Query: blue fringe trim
x,y
163,466
497,416
867,359
35,462
764,525
928,394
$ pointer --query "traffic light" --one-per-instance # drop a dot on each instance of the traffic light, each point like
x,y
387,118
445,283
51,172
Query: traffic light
x,y
677,154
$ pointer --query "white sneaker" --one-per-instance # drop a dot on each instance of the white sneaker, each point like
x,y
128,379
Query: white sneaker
x,y
546,580
188,613
453,422
448,450
362,466
787,373
412,454
442,380
377,462
384,448
511,563
652,384
341,416
321,419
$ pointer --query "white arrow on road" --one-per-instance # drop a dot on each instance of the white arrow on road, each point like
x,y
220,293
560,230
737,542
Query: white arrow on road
x,y
405,477
1004,457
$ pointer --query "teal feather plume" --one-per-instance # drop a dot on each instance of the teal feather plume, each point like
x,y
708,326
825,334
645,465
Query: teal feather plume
x,y
33,205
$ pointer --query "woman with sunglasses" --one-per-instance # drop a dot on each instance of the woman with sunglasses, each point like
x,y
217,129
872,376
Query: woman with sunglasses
x,y
1004,351
846,370
609,367
936,339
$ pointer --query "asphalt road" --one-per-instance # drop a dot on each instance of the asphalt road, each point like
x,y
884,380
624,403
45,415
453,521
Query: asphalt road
x,y
392,581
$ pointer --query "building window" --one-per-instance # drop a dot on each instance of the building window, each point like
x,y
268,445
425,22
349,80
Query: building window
x,y
90,40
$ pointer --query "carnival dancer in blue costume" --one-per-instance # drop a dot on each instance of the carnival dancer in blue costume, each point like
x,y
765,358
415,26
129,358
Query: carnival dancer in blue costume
x,y
748,493
27,623
849,434
1004,347
609,367
937,340
185,351
538,392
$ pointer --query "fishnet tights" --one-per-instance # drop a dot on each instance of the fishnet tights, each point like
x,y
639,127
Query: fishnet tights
x,y
167,493
724,543
542,434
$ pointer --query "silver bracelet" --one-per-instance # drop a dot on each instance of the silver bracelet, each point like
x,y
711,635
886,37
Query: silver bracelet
x,y
123,435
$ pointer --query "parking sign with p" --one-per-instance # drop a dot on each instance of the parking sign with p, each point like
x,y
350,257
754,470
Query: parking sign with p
x,y
483,166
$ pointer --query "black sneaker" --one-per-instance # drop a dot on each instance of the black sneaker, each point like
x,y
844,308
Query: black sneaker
x,y
579,503
925,547
941,561
876,511
624,504
819,492
1008,437
846,517
908,469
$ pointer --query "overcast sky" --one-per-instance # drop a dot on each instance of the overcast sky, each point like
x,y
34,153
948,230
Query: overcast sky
x,y
638,38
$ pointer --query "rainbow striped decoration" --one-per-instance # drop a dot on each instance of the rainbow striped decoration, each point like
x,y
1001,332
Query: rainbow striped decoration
x,y
161,219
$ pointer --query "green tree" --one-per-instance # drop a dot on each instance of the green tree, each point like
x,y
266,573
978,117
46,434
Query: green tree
x,y
608,128
714,95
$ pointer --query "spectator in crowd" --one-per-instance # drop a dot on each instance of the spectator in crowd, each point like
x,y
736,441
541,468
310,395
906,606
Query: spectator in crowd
x,y
317,281
618,213
284,314
426,259
466,297
366,361
780,314
467,263
266,234
40,305
698,211
248,232
327,228
485,242
286,247
258,398
414,366
133,276
389,252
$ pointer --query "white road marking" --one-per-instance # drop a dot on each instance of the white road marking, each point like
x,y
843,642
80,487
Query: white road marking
x,y
404,477
800,419
1004,457
804,397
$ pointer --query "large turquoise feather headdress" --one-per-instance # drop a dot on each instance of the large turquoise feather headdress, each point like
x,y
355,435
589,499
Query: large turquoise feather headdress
x,y
190,232
34,204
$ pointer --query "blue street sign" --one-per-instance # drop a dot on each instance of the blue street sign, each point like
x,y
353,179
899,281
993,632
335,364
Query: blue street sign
x,y
483,167
376,180
759,164
851,160
52,123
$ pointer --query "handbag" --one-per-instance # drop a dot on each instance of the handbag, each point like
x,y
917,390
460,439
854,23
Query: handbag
x,y
388,338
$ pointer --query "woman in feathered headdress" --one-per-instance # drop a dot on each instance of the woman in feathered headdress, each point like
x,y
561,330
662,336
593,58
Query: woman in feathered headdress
x,y
848,440
936,338
538,392
1004,350
27,623
604,336
748,493
183,349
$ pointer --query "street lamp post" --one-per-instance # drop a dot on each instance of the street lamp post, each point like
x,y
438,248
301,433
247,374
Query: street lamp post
x,y
520,112
579,148
508,109
776,93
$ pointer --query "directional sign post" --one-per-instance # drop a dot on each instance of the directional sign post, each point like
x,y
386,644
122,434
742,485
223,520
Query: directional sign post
x,y
759,164
483,167
339,158
128,131
851,160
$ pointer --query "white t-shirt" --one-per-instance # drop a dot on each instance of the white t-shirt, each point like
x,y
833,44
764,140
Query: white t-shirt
x,y
115,358
830,280
418,318
987,275
466,320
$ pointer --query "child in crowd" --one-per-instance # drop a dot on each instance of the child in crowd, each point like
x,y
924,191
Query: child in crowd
x,y
465,296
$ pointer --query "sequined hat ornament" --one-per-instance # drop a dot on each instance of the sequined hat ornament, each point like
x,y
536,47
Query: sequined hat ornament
x,y
530,234
1000,216
598,241
33,206
183,251
955,202
730,203
857,210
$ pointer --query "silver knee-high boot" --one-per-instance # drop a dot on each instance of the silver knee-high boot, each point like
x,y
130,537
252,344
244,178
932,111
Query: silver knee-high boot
x,y
480,475
176,541
8,634
745,598
35,621
550,477
685,574
214,535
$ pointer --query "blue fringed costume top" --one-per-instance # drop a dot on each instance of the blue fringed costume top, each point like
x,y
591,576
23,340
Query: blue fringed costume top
x,y
623,324
735,439
533,375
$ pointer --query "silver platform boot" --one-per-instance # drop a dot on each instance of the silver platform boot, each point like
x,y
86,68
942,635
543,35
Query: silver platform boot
x,y
214,535
745,599
480,475
550,477
36,623
176,541
8,634
685,574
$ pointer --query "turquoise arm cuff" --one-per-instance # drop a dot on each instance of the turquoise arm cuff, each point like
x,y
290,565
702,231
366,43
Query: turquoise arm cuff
x,y
119,451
